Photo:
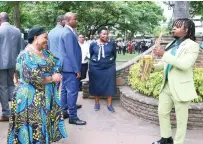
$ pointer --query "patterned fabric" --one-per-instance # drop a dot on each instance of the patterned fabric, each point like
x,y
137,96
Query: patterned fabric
x,y
36,114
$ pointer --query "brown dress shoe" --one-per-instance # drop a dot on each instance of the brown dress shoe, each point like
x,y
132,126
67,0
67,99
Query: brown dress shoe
x,y
4,118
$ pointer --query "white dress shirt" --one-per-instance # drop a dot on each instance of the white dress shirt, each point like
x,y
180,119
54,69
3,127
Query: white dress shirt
x,y
85,52
73,30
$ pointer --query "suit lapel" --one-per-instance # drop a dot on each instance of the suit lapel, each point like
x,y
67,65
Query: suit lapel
x,y
181,48
168,50
71,31
168,46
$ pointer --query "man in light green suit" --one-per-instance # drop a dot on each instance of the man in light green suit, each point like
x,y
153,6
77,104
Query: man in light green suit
x,y
178,85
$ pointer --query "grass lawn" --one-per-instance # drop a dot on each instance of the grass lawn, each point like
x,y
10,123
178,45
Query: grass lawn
x,y
123,58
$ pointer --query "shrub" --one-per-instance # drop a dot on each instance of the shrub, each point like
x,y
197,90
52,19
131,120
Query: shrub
x,y
152,86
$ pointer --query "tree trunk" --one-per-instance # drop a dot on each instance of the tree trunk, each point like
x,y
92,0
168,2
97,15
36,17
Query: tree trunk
x,y
181,9
16,14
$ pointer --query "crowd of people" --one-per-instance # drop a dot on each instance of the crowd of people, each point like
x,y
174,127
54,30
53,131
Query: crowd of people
x,y
132,47
48,74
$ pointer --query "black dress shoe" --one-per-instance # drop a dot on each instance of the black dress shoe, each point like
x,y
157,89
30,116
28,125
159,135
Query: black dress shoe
x,y
77,122
164,141
65,115
78,106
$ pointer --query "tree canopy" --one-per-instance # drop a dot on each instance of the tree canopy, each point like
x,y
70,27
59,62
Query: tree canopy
x,y
132,17
196,8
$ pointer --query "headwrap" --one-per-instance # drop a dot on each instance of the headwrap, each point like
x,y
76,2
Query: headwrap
x,y
34,32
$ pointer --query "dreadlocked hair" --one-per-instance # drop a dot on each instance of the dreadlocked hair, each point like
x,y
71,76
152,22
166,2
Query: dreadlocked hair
x,y
188,25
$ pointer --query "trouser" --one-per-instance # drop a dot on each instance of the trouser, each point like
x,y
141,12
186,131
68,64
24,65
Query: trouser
x,y
119,50
84,68
69,94
6,89
124,51
166,103
133,50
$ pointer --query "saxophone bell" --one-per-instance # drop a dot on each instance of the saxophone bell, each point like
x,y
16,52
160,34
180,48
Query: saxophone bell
x,y
147,63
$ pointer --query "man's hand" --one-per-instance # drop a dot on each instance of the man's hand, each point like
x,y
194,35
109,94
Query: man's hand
x,y
159,52
78,75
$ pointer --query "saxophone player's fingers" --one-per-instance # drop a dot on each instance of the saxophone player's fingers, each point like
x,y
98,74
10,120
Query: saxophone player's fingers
x,y
155,51
160,52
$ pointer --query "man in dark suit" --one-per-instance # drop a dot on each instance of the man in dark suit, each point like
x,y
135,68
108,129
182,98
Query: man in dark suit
x,y
71,59
10,45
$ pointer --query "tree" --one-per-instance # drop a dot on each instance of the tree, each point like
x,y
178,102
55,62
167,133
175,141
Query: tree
x,y
196,8
133,17
13,9
16,14
181,9
141,17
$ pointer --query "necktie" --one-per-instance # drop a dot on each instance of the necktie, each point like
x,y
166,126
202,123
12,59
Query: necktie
x,y
173,52
101,52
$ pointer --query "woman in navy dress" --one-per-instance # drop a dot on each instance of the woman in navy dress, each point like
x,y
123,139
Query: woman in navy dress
x,y
102,69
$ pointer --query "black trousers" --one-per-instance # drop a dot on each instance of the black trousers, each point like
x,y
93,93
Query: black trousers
x,y
119,50
84,68
124,51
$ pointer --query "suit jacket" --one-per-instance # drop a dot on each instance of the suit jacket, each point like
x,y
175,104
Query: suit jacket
x,y
71,57
54,40
180,77
10,45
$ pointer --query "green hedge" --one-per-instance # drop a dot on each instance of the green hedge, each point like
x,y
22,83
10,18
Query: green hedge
x,y
152,86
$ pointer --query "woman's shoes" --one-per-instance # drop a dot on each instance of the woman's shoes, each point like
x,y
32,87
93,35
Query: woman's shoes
x,y
97,107
111,109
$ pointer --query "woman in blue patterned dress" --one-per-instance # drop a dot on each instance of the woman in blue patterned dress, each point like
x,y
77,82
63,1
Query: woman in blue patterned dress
x,y
36,114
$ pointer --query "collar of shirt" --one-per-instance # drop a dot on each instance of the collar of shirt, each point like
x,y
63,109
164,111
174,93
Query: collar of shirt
x,y
5,23
84,46
70,28
179,41
58,25
81,44
176,45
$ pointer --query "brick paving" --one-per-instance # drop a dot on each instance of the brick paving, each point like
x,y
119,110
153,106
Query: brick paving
x,y
104,127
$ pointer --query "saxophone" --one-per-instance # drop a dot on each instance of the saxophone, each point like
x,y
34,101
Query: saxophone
x,y
146,64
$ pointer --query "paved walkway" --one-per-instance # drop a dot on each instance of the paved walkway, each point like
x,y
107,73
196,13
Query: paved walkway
x,y
104,127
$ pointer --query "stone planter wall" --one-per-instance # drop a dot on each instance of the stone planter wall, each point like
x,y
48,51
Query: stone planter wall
x,y
146,108
199,61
